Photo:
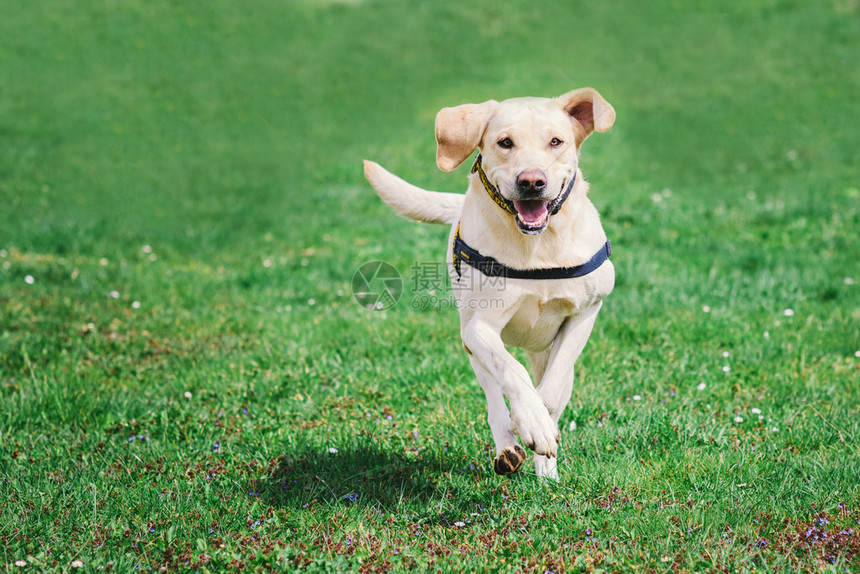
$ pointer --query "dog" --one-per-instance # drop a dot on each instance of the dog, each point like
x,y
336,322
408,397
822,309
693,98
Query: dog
x,y
526,220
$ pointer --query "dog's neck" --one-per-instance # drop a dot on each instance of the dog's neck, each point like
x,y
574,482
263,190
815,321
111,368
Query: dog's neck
x,y
572,235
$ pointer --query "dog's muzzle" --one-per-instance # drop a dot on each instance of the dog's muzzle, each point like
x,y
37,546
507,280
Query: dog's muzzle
x,y
531,215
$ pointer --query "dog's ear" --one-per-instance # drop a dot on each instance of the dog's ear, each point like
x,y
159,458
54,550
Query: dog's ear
x,y
459,131
587,107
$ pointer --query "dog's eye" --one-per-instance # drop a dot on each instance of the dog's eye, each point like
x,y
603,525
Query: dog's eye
x,y
555,142
505,143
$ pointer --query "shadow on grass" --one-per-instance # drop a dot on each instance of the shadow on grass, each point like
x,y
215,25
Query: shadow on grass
x,y
370,477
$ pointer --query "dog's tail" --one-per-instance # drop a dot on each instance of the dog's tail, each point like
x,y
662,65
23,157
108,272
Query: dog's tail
x,y
411,201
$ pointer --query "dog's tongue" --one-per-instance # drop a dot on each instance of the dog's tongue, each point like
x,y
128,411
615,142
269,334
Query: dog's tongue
x,y
531,211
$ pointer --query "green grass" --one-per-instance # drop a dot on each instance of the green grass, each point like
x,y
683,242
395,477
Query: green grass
x,y
186,383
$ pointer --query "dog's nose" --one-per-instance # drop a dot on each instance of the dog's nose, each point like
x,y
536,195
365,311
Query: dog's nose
x,y
531,181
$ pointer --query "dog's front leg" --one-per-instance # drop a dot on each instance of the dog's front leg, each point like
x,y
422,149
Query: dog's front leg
x,y
509,454
496,366
556,384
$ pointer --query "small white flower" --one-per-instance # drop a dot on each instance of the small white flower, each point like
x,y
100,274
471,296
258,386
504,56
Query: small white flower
x,y
755,411
726,368
267,263
3,253
847,280
135,304
312,301
706,309
153,256
739,419
459,524
29,280
20,563
701,386
791,155
637,398
788,312
188,394
114,294
775,429
77,564
656,198
857,354
572,426
103,261
766,334
332,450
146,249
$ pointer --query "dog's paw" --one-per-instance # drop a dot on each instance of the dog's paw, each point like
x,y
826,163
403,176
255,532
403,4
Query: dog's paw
x,y
509,460
546,467
536,429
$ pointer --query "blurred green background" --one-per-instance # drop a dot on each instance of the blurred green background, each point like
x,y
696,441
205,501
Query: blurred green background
x,y
201,126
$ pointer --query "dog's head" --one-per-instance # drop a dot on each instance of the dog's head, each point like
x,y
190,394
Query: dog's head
x,y
529,146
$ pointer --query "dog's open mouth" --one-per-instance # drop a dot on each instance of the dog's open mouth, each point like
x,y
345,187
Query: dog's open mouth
x,y
532,215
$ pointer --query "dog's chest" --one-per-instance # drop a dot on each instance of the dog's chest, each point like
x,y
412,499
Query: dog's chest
x,y
543,307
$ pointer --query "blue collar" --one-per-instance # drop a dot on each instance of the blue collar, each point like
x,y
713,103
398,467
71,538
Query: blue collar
x,y
490,267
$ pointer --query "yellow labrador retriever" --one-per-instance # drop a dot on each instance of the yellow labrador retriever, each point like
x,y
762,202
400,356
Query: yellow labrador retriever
x,y
525,220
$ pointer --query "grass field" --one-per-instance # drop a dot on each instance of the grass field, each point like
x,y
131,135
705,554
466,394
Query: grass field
x,y
186,383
